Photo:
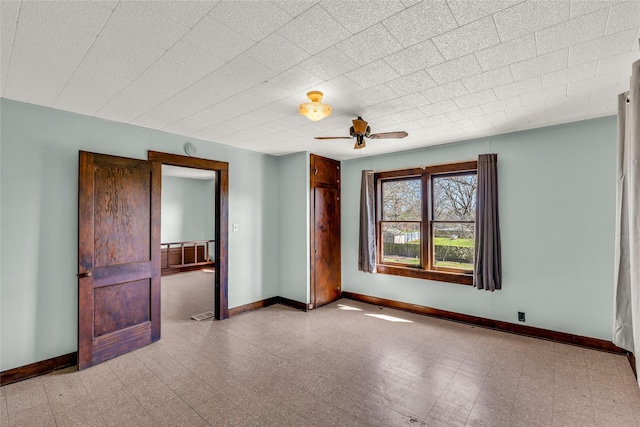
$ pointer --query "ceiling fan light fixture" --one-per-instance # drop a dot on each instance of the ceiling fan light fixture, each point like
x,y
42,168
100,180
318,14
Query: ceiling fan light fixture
x,y
315,110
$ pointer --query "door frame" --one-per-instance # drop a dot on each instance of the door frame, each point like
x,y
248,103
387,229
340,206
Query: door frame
x,y
221,306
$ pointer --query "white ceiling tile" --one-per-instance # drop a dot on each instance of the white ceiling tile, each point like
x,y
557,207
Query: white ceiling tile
x,y
378,110
507,53
43,59
190,124
624,16
439,108
540,65
373,74
136,22
358,15
467,39
444,92
490,79
458,124
86,95
217,39
375,95
277,53
254,19
544,95
112,54
185,12
583,7
574,31
603,47
477,98
295,8
329,64
8,21
209,117
518,88
395,120
409,102
455,69
530,16
241,73
489,118
421,22
466,11
604,81
465,113
437,120
339,89
417,57
502,105
314,30
415,82
370,45
254,98
615,63
69,17
570,75
296,79
157,118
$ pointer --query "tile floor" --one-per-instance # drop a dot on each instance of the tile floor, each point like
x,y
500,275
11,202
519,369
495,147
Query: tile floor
x,y
345,364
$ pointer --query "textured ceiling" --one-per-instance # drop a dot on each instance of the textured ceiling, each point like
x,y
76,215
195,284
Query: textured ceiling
x,y
234,72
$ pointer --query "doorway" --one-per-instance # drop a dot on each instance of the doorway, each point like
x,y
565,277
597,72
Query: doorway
x,y
119,250
221,182
187,238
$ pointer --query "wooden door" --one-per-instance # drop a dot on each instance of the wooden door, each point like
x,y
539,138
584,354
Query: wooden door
x,y
118,256
325,231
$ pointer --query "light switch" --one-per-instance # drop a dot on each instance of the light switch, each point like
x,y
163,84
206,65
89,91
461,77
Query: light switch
x,y
235,227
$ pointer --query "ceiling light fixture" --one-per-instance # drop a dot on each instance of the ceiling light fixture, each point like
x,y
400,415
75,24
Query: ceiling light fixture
x,y
315,110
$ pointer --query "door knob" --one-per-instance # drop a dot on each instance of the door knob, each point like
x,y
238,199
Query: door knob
x,y
85,274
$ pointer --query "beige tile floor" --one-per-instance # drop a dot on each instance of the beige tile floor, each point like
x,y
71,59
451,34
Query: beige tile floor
x,y
345,364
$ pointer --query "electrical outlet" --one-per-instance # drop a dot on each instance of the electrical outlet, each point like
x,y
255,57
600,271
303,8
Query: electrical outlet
x,y
521,316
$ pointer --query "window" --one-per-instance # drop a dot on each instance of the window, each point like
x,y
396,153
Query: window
x,y
426,222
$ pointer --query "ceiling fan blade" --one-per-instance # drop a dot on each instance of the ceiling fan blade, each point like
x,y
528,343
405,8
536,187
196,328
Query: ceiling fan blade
x,y
332,137
387,135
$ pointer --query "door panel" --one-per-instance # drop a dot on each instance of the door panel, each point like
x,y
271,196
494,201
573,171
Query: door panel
x,y
325,232
327,257
118,256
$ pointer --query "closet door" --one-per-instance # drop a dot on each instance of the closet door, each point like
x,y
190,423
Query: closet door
x,y
326,283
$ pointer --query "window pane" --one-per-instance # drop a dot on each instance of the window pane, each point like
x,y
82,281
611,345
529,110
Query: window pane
x,y
454,197
401,200
401,242
453,245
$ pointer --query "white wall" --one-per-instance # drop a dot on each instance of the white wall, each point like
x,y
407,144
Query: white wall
x,y
557,203
39,186
187,209
294,236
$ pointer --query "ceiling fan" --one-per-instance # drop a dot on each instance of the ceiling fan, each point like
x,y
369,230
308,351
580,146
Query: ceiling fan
x,y
360,130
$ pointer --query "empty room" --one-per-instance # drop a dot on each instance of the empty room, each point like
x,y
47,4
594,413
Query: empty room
x,y
319,213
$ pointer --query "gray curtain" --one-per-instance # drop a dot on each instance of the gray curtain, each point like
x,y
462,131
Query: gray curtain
x,y
487,272
367,247
626,322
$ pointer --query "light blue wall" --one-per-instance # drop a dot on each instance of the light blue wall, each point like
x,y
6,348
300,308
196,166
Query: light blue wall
x,y
187,209
294,227
557,206
39,186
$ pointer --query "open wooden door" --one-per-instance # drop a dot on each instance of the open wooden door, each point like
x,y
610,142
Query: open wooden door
x,y
118,256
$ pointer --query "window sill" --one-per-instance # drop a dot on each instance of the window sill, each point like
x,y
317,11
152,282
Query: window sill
x,y
438,276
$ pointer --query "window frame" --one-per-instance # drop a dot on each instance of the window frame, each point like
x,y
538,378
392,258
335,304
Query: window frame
x,y
425,270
